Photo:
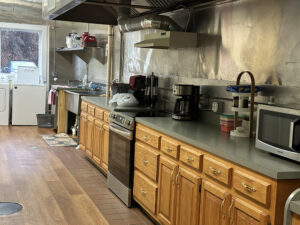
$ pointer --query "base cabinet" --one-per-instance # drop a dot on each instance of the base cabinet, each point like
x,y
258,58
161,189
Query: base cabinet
x,y
214,204
94,134
89,139
98,141
296,219
83,124
242,213
167,191
105,139
188,197
229,194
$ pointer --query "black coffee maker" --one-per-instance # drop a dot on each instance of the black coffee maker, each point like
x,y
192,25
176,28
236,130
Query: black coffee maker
x,y
186,107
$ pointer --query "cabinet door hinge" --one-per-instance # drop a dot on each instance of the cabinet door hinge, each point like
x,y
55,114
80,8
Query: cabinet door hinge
x,y
200,187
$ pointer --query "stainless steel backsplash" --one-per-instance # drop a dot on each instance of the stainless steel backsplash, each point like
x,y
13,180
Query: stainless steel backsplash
x,y
260,36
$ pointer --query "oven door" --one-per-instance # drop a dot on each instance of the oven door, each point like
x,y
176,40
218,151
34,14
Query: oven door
x,y
121,153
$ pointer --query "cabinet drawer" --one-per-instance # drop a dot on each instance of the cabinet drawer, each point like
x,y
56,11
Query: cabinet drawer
x,y
99,113
106,116
253,187
191,157
91,110
145,191
148,136
170,147
146,160
217,170
84,106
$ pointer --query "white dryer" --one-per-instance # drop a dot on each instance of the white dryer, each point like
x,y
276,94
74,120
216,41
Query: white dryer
x,y
4,104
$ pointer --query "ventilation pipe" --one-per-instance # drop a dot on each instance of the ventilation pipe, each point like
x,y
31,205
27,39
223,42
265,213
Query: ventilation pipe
x,y
127,24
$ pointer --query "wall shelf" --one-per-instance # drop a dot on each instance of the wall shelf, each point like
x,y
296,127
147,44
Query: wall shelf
x,y
85,53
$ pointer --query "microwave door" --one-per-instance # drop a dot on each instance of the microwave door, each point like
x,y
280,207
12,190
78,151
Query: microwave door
x,y
294,142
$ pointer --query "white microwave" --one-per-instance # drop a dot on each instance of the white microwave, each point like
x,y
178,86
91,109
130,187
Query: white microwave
x,y
278,130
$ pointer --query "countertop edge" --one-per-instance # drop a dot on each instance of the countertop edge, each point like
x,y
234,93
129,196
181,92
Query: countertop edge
x,y
98,101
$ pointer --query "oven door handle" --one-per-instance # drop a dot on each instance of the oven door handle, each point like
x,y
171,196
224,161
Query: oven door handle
x,y
121,131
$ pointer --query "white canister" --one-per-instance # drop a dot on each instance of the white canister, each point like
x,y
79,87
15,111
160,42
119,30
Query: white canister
x,y
69,41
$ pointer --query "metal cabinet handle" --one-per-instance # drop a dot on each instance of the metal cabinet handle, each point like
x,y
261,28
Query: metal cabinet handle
x,y
143,191
145,137
248,188
190,159
222,207
229,211
168,149
177,176
145,162
214,171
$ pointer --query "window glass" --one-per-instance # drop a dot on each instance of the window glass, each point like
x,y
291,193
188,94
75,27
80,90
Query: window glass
x,y
18,48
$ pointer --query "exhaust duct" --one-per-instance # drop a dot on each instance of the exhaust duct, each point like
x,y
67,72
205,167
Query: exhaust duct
x,y
147,22
151,21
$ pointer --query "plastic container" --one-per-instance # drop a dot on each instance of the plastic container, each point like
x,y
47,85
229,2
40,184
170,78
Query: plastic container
x,y
45,120
227,122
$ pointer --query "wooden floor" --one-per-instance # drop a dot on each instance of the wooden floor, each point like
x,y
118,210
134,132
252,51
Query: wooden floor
x,y
55,185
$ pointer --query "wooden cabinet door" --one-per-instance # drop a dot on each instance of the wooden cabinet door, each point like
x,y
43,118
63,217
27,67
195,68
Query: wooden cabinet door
x,y
214,205
242,213
296,219
89,136
104,157
98,142
82,138
188,198
167,190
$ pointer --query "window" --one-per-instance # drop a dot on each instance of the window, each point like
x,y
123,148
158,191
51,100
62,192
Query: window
x,y
22,45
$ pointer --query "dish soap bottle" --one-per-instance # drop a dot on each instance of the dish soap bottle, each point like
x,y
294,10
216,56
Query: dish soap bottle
x,y
85,81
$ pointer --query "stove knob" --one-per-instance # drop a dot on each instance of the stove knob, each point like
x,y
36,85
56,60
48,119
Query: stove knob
x,y
113,116
128,122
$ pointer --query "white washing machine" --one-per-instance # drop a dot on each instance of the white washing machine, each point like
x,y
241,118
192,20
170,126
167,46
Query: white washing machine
x,y
4,104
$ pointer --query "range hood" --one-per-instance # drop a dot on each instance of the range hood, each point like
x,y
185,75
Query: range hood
x,y
80,11
168,40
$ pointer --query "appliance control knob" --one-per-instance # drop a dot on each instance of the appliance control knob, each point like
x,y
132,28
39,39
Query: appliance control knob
x,y
128,122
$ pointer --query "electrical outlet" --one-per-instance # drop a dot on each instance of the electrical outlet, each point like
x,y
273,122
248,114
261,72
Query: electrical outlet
x,y
217,107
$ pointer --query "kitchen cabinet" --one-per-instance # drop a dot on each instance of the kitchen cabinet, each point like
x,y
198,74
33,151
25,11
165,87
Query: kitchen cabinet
x,y
89,142
188,197
196,187
214,204
94,134
83,126
167,191
296,219
98,143
242,213
104,158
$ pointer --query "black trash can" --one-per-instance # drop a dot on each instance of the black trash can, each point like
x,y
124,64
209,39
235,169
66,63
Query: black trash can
x,y
45,120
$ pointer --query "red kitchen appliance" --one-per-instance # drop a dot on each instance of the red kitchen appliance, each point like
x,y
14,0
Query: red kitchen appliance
x,y
137,82
89,41
84,34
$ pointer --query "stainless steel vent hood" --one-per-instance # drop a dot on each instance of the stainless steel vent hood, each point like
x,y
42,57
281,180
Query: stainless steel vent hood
x,y
106,11
80,11
168,39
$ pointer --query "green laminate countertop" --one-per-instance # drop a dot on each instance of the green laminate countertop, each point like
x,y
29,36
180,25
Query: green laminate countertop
x,y
209,138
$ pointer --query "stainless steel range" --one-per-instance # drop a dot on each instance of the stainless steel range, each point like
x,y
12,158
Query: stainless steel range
x,y
121,155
